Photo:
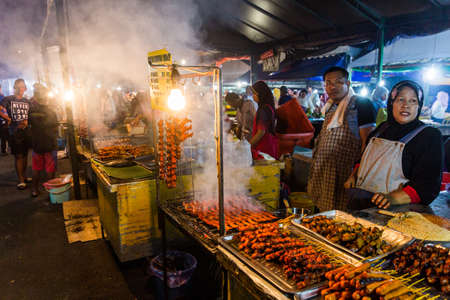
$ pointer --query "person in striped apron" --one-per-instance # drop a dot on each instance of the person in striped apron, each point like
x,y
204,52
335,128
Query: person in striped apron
x,y
348,121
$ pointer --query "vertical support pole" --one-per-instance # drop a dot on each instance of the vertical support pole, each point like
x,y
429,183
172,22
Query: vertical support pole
x,y
380,52
253,69
162,224
219,150
44,55
62,31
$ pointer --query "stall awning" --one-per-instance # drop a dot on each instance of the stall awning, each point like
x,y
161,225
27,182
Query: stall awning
x,y
306,69
7,72
407,50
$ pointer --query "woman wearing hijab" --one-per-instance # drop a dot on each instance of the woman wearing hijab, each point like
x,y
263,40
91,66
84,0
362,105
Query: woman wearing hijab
x,y
263,133
402,163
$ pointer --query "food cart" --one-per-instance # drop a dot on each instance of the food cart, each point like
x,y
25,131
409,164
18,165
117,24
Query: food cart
x,y
269,254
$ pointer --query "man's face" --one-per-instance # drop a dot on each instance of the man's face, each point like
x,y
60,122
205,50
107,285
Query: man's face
x,y
21,88
336,85
302,94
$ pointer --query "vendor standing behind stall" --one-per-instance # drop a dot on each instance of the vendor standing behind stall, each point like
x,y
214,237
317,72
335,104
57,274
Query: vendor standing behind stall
x,y
263,133
348,121
245,114
402,163
140,109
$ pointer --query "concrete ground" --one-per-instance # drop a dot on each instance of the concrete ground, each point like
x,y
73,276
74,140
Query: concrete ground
x,y
37,262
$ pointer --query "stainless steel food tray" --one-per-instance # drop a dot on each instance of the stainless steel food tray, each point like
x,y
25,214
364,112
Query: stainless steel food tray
x,y
431,290
275,274
391,236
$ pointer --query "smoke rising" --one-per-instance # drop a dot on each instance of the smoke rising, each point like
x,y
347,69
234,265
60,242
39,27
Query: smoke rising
x,y
236,154
111,38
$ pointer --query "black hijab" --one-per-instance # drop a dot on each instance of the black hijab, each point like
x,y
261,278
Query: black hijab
x,y
396,131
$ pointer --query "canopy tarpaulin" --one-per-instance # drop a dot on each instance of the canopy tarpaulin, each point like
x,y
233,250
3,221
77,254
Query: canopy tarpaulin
x,y
311,69
7,72
405,50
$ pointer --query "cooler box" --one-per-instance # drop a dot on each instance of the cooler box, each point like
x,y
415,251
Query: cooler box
x,y
287,142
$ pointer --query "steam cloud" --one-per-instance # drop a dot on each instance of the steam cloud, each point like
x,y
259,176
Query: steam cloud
x,y
108,43
236,155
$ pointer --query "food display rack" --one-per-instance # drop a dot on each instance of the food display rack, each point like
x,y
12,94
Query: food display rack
x,y
259,281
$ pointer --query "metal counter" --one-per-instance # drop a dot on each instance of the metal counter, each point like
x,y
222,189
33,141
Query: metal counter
x,y
243,281
128,214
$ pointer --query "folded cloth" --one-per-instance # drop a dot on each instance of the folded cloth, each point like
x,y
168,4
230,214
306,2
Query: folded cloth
x,y
338,118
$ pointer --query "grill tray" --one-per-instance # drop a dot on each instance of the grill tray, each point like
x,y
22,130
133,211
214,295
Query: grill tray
x,y
392,237
275,275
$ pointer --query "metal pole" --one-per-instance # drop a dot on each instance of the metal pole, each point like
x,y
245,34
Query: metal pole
x,y
62,31
219,150
380,52
45,62
162,224
253,68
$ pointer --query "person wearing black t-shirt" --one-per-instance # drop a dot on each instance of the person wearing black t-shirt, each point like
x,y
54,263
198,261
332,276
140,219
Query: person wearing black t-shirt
x,y
402,163
44,125
284,96
18,108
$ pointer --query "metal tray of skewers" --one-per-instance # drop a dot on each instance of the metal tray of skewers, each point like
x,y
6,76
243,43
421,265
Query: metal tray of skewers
x,y
294,262
428,263
365,240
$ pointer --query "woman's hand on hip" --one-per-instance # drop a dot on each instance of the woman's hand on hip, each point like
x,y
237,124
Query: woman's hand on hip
x,y
351,182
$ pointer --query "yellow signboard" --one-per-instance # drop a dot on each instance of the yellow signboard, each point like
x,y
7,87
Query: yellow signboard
x,y
160,78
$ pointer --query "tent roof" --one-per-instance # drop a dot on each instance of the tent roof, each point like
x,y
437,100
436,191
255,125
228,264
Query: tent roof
x,y
7,72
258,25
405,50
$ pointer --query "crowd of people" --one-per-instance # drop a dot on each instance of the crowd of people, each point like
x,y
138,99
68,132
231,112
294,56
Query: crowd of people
x,y
29,124
368,152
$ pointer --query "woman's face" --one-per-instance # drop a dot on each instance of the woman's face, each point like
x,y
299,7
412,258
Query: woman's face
x,y
405,106
255,97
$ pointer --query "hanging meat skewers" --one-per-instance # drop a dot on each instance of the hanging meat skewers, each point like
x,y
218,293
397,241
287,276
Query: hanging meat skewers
x,y
172,133
161,150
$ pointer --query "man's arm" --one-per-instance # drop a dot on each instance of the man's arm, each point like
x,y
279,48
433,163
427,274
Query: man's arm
x,y
364,133
4,116
366,120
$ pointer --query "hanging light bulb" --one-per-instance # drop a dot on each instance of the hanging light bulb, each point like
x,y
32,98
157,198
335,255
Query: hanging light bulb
x,y
364,92
69,95
176,100
431,73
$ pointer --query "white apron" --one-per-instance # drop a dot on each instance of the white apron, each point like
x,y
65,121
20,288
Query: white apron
x,y
381,168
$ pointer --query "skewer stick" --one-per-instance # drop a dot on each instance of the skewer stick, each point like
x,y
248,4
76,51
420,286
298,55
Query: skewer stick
x,y
416,282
